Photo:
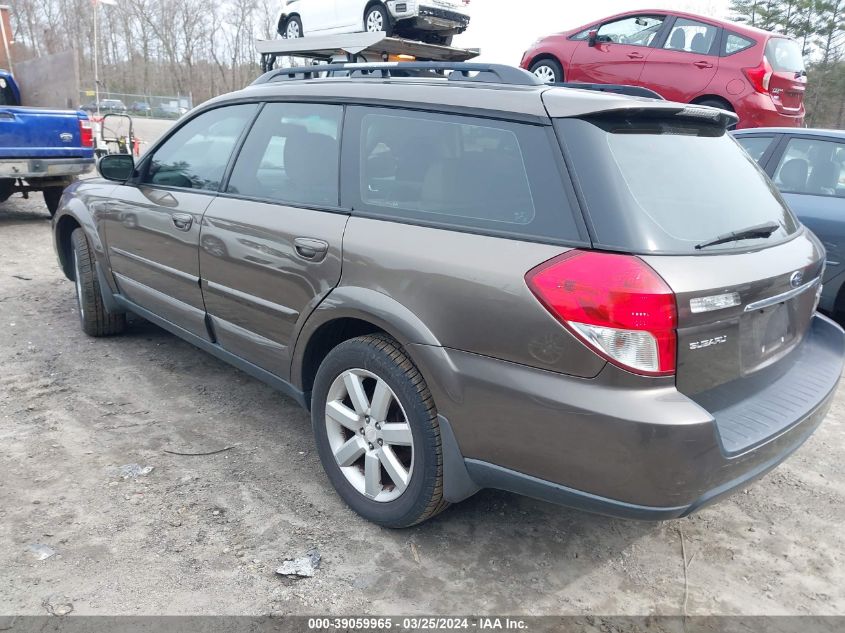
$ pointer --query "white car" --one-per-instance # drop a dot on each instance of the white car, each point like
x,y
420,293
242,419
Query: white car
x,y
432,21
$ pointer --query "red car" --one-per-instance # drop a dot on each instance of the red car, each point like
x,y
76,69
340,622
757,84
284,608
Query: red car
x,y
684,57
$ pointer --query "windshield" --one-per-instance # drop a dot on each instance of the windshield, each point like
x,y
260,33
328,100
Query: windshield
x,y
784,55
664,185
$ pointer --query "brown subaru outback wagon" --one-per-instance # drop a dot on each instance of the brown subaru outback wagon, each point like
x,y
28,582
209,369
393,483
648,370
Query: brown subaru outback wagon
x,y
474,280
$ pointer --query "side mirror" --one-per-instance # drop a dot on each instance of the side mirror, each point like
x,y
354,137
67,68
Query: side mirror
x,y
118,167
592,38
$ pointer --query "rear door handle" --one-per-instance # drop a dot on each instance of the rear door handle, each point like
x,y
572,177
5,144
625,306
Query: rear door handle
x,y
702,64
311,249
635,56
182,221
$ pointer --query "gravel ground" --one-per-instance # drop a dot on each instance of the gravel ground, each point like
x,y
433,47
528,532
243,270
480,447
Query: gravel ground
x,y
205,534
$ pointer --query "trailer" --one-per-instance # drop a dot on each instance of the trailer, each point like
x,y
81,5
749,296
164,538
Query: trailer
x,y
359,47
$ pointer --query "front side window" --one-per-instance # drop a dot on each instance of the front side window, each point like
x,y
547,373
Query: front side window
x,y
812,166
637,30
461,171
756,146
196,155
691,36
7,96
291,155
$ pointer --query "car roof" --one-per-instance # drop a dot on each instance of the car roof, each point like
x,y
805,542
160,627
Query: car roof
x,y
792,131
733,26
508,101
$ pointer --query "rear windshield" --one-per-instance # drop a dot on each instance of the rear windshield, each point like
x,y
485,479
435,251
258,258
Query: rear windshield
x,y
784,55
7,97
664,186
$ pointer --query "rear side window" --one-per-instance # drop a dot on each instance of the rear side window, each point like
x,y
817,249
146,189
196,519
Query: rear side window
x,y
735,43
691,36
812,166
196,155
784,55
664,185
756,146
7,97
456,171
291,155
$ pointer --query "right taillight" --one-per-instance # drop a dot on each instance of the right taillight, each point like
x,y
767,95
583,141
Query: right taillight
x,y
760,76
86,133
616,304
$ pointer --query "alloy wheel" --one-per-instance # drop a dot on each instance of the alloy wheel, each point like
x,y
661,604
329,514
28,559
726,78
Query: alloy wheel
x,y
292,31
78,282
375,21
369,435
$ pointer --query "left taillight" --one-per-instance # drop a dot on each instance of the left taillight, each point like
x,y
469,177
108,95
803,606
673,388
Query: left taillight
x,y
86,133
616,304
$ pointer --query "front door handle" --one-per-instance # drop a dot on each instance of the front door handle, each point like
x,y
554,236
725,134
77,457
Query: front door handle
x,y
182,221
311,249
702,64
635,56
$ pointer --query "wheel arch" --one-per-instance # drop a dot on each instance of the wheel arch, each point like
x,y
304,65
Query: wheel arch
x,y
64,228
711,97
349,312
371,3
547,55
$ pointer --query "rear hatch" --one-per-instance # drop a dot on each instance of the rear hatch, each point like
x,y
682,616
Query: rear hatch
x,y
40,133
789,79
665,188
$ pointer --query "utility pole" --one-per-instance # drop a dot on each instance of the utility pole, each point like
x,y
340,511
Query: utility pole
x,y
96,59
6,36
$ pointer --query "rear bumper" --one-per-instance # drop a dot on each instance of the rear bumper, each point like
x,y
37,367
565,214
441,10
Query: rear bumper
x,y
427,17
758,110
34,168
616,445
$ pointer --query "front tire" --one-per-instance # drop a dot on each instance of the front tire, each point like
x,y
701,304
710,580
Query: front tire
x,y
52,196
548,70
93,317
377,434
376,19
293,28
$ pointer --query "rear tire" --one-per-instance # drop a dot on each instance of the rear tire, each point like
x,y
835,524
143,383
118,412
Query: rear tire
x,y
548,70
376,19
52,196
93,317
293,28
402,432
6,189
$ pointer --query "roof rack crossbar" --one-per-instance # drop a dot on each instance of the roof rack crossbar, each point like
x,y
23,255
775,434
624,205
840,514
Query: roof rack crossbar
x,y
460,71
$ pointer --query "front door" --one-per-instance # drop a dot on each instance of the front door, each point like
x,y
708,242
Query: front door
x,y
620,51
271,244
153,224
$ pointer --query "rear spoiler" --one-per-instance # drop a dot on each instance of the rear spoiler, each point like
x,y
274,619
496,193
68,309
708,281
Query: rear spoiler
x,y
620,89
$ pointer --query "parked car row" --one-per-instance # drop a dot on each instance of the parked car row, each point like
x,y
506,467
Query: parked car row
x,y
408,257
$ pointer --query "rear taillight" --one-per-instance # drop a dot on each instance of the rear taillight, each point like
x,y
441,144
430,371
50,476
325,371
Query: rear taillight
x,y
86,133
760,76
616,304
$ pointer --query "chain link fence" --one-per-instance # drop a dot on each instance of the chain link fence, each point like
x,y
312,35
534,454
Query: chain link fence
x,y
137,105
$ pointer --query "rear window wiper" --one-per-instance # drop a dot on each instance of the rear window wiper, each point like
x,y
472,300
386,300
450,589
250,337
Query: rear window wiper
x,y
752,232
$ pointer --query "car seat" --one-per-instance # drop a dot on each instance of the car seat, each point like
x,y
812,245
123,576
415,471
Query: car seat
x,y
678,41
793,175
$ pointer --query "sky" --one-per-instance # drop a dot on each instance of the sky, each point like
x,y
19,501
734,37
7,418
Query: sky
x,y
504,29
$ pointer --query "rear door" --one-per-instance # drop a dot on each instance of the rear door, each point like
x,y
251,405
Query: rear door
x,y
810,172
153,224
686,62
789,78
620,51
270,245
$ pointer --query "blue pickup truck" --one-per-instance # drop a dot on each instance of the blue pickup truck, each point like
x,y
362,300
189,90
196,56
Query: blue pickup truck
x,y
40,149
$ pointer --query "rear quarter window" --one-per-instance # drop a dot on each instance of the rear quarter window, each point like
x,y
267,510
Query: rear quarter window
x,y
446,170
784,55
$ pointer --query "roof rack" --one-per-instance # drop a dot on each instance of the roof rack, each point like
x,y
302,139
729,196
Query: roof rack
x,y
357,47
460,71
621,89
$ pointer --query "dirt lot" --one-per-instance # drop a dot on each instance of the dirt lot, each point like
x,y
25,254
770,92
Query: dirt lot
x,y
204,534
